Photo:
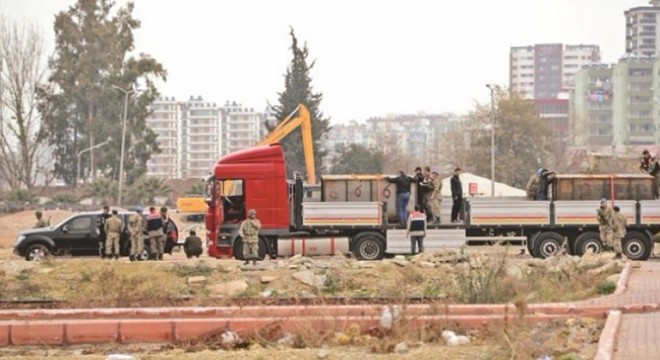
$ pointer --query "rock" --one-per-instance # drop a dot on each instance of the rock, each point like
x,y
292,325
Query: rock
x,y
309,278
323,353
119,357
299,260
229,337
287,339
267,279
266,293
196,279
514,271
401,348
426,264
229,288
389,316
401,262
613,278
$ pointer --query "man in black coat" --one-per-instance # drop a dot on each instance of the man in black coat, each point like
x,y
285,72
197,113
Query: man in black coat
x,y
456,195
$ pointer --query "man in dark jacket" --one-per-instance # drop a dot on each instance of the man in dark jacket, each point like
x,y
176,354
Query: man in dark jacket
x,y
456,195
100,223
546,177
193,245
156,232
402,194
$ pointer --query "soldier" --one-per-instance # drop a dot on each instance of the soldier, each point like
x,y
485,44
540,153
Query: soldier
x,y
135,228
249,232
193,245
155,229
533,185
619,230
113,228
41,223
436,196
605,219
100,222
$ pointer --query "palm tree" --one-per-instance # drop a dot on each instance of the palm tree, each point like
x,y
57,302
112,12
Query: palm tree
x,y
147,188
102,189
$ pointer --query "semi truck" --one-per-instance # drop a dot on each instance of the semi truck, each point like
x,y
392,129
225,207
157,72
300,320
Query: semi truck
x,y
357,213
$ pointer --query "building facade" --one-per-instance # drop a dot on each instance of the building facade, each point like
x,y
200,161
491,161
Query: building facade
x,y
194,134
543,71
642,24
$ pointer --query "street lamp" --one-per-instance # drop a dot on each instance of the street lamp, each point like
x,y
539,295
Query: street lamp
x,y
492,139
84,151
123,138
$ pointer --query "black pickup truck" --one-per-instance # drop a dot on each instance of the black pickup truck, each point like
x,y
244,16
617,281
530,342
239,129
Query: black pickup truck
x,y
78,236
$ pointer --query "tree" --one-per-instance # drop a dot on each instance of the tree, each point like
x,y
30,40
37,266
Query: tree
x,y
102,189
297,90
522,141
24,156
147,188
357,159
82,105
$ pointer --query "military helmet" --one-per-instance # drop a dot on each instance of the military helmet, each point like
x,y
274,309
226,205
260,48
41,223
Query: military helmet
x,y
252,213
38,213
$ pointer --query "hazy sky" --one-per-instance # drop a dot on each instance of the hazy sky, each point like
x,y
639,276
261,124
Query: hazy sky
x,y
373,57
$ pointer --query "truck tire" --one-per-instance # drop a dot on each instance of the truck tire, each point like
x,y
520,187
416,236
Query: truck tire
x,y
547,244
37,252
238,248
530,243
586,241
637,246
369,246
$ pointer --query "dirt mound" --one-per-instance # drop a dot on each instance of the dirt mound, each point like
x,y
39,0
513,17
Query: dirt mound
x,y
11,224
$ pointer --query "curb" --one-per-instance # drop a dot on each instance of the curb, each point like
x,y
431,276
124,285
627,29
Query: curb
x,y
622,284
608,336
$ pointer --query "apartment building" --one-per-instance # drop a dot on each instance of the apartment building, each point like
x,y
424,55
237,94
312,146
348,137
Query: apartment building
x,y
165,122
543,71
642,24
242,127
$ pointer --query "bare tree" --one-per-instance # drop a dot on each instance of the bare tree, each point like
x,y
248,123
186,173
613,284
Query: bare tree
x,y
24,155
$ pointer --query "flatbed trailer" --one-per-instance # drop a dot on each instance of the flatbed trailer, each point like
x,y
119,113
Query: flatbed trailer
x,y
356,214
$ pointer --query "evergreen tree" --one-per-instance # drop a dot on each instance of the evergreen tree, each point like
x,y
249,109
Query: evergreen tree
x,y
82,106
297,90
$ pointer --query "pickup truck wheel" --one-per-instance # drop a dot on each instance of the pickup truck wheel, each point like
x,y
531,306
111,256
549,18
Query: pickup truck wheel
x,y
637,246
37,252
238,249
586,241
369,246
547,244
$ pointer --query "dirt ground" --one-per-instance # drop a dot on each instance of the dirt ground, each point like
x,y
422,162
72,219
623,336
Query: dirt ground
x,y
494,275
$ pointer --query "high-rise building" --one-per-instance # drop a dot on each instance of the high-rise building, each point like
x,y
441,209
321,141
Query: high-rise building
x,y
200,137
642,25
614,105
193,135
543,71
242,127
165,122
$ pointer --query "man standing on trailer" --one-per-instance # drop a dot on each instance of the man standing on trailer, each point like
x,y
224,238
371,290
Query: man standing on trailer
x,y
456,195
402,194
619,230
416,229
249,232
605,218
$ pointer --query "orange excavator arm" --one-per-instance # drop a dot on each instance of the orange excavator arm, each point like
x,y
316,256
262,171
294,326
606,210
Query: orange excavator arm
x,y
299,117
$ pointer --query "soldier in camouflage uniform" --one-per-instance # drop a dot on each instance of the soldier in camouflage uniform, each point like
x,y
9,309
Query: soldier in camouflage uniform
x,y
113,228
41,223
619,230
532,186
249,232
605,218
436,197
135,228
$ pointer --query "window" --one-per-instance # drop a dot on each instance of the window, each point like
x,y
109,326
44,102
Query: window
x,y
80,224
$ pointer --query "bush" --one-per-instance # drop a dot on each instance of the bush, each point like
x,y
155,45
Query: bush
x,y
64,198
22,196
606,287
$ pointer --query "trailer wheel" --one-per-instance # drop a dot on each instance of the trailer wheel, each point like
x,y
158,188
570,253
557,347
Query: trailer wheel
x,y
530,243
637,246
547,244
238,248
586,241
369,246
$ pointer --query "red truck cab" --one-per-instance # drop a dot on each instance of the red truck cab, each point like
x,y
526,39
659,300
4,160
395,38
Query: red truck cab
x,y
254,178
